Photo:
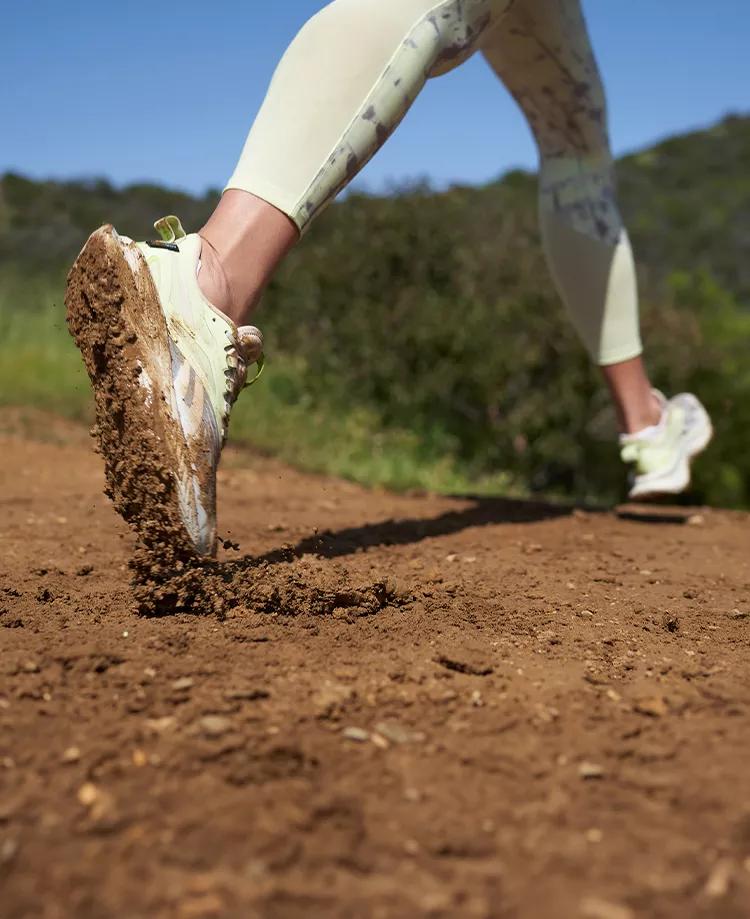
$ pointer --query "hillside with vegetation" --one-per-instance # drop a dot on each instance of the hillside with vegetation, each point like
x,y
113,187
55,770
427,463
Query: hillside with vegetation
x,y
415,339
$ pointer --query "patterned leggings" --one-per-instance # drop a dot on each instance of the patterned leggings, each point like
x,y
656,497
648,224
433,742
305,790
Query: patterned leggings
x,y
352,73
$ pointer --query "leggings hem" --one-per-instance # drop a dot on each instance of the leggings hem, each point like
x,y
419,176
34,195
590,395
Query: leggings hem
x,y
271,194
619,356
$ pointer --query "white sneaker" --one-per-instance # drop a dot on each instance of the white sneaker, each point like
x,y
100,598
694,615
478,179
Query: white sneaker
x,y
166,368
662,453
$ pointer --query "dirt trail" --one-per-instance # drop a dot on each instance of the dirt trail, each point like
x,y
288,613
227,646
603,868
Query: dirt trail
x,y
399,707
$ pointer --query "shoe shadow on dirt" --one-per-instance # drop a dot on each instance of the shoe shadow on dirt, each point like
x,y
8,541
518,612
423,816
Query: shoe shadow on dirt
x,y
405,531
483,511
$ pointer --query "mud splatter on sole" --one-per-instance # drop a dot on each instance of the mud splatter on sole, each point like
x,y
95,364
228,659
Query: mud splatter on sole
x,y
114,316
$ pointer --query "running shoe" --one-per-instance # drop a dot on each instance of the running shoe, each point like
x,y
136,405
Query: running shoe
x,y
166,368
661,454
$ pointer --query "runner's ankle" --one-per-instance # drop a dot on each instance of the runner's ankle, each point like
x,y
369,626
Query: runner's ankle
x,y
213,282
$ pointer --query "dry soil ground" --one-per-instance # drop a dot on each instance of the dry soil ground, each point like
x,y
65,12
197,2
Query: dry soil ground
x,y
436,707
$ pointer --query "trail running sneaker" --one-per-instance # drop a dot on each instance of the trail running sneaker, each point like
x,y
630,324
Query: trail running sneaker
x,y
661,454
166,368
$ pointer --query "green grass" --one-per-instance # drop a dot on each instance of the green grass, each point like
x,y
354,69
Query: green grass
x,y
41,368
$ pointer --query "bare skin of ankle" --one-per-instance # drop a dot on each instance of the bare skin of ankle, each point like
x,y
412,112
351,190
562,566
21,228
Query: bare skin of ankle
x,y
631,391
244,240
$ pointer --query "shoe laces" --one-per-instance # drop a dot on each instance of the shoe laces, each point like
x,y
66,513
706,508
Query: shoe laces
x,y
243,349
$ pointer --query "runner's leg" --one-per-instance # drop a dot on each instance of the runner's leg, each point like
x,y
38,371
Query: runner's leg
x,y
541,51
340,90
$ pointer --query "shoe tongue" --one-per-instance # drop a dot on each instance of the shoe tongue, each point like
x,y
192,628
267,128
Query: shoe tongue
x,y
250,341
169,228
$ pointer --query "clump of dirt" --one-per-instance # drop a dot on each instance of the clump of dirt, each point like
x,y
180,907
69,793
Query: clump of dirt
x,y
165,584
114,317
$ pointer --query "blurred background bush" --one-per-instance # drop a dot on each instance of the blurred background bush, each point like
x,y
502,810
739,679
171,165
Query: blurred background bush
x,y
415,339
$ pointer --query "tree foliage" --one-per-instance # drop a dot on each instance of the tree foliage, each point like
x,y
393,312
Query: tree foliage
x,y
436,312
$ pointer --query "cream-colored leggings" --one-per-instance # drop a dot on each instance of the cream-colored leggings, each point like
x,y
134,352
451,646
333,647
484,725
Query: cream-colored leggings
x,y
354,70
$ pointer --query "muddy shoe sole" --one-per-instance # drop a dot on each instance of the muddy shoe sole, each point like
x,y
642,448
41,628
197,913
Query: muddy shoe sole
x,y
114,315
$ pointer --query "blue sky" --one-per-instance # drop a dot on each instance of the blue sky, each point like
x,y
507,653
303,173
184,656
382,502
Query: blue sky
x,y
80,80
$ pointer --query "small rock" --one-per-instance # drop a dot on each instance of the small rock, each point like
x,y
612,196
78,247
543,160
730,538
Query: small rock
x,y
695,520
205,906
585,614
594,835
739,614
246,695
396,733
160,725
184,683
720,879
215,725
139,758
71,755
87,794
8,850
596,908
653,706
331,698
356,734
588,770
